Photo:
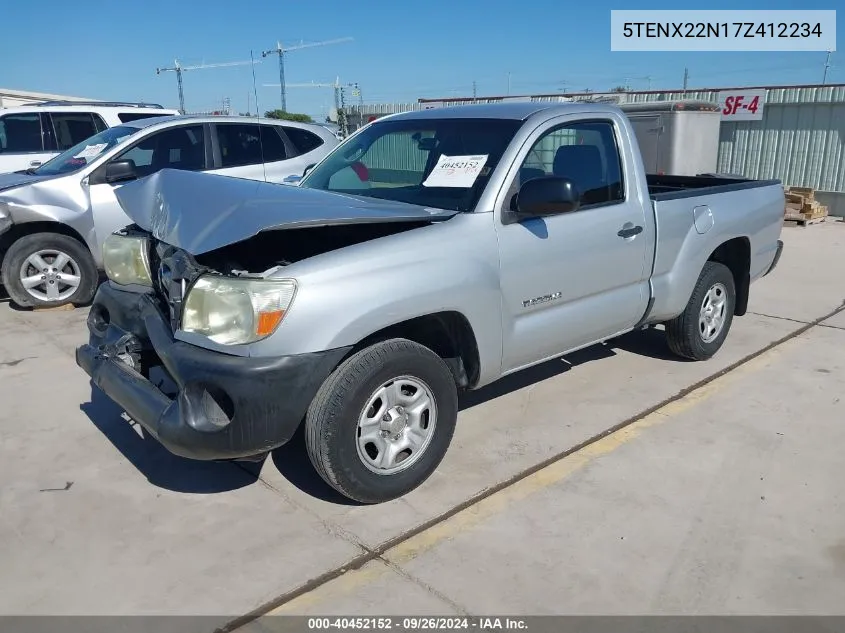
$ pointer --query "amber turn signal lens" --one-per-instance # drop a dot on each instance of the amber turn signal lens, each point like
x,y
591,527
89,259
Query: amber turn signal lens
x,y
267,322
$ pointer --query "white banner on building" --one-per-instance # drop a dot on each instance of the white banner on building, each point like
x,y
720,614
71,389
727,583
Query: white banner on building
x,y
742,105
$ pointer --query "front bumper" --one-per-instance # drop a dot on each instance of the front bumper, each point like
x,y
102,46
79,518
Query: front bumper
x,y
227,407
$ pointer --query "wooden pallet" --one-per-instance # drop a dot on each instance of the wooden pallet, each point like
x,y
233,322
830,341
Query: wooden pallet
x,y
802,207
802,219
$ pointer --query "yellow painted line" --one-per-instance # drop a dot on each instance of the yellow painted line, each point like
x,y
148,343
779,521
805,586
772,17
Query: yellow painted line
x,y
498,502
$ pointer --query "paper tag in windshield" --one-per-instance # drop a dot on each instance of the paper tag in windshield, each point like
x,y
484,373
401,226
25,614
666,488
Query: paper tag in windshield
x,y
91,151
456,171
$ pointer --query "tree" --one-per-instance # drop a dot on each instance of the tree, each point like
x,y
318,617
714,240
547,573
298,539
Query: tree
x,y
620,89
288,116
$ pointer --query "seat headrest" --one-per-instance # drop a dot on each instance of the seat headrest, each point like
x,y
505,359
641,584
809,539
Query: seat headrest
x,y
582,164
577,159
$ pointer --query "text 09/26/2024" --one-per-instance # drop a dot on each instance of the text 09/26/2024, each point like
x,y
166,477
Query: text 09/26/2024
x,y
723,30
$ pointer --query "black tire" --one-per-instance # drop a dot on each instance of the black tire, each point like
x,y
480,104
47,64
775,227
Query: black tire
x,y
21,249
331,423
683,333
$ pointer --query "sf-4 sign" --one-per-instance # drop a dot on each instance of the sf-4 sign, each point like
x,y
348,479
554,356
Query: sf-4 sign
x,y
742,105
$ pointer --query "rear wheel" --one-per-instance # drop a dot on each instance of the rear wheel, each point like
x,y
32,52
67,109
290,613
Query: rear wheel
x,y
48,270
700,330
382,422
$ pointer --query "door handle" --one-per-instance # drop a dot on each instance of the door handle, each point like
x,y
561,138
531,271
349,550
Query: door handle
x,y
630,231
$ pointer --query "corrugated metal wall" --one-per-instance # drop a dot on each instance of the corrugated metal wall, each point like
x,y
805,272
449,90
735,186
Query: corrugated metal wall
x,y
800,140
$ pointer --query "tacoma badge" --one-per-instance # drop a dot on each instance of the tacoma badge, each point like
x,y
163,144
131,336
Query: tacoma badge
x,y
544,299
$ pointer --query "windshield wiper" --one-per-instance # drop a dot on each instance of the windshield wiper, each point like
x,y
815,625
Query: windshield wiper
x,y
30,171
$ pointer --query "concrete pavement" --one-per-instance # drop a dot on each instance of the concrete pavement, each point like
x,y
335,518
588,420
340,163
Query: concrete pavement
x,y
665,515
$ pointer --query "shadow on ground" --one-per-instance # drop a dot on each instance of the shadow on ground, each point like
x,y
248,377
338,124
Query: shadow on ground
x,y
650,343
161,467
293,464
178,474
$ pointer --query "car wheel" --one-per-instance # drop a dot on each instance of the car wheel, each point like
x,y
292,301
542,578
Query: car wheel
x,y
700,330
48,270
382,421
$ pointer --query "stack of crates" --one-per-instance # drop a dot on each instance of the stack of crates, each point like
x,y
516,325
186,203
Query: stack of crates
x,y
802,206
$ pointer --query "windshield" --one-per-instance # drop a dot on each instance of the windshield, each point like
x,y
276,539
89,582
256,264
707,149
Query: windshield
x,y
83,153
442,163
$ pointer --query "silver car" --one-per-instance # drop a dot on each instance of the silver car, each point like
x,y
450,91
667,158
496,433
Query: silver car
x,y
53,219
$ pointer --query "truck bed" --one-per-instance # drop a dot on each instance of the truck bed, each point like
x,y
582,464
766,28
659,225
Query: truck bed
x,y
662,187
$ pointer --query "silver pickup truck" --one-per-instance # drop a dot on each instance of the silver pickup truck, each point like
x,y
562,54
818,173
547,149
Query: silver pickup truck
x,y
431,252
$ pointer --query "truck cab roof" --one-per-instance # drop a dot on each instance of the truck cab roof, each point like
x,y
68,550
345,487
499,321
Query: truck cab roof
x,y
515,110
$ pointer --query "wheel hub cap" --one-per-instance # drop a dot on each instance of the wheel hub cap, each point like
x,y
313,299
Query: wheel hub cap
x,y
394,422
713,313
396,425
50,275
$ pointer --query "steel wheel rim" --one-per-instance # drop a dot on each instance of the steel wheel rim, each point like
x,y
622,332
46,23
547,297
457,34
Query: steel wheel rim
x,y
50,275
396,425
713,313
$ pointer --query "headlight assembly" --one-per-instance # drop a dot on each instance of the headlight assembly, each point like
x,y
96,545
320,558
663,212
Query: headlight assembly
x,y
234,311
126,261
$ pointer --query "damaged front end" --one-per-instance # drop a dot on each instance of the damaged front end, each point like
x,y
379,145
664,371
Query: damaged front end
x,y
201,213
199,402
194,282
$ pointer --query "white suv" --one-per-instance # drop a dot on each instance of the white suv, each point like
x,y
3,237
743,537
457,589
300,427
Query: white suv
x,y
54,218
32,135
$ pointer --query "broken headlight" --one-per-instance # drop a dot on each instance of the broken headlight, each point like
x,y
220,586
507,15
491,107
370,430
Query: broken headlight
x,y
126,261
234,311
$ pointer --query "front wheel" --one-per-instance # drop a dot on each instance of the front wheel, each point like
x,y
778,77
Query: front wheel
x,y
49,270
699,331
382,422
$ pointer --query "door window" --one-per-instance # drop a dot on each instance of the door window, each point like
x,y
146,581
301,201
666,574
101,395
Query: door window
x,y
71,128
20,133
303,140
174,148
126,117
99,123
585,152
240,144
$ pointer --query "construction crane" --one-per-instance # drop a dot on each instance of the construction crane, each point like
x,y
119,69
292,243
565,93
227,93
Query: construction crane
x,y
335,86
339,97
179,69
281,50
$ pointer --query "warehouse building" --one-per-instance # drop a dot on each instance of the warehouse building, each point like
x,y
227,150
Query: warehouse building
x,y
799,138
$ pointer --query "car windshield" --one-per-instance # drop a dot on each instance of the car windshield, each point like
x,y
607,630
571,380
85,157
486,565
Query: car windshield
x,y
442,163
83,153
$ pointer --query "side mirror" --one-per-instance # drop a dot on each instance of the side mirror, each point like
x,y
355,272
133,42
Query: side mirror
x,y
547,195
120,171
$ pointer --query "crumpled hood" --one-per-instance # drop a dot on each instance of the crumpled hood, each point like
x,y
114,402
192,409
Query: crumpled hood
x,y
202,212
8,181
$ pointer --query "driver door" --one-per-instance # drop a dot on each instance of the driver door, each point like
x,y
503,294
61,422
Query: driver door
x,y
182,147
572,279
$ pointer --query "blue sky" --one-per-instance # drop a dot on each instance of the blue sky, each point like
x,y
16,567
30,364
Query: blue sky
x,y
401,50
